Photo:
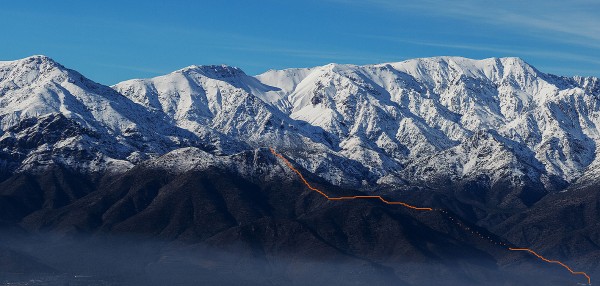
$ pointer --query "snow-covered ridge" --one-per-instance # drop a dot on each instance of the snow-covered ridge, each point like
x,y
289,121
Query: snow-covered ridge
x,y
390,123
105,123
421,107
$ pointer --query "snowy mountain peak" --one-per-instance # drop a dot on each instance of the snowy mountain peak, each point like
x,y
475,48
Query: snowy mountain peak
x,y
350,124
35,60
448,68
214,71
37,90
23,72
420,107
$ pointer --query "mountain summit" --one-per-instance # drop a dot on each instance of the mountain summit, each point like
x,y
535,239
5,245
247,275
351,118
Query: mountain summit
x,y
385,124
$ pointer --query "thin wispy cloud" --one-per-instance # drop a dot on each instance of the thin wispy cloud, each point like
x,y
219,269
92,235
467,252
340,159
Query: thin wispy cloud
x,y
132,68
574,22
233,41
307,53
545,32
260,35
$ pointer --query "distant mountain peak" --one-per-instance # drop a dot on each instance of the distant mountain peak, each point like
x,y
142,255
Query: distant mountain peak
x,y
38,62
367,122
37,59
29,72
214,71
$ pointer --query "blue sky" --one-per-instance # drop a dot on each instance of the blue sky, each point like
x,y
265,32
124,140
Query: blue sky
x,y
111,41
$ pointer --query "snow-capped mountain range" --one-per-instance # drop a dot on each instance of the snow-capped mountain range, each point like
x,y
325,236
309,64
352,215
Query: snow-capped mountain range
x,y
423,122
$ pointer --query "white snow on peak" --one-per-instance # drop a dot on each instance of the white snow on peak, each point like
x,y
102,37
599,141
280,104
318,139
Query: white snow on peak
x,y
387,116
37,87
389,122
419,107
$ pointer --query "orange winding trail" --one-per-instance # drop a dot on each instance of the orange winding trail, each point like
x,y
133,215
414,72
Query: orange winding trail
x,y
287,162
554,261
344,197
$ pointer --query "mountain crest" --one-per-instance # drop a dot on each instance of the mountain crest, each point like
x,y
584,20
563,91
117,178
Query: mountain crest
x,y
365,122
214,71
